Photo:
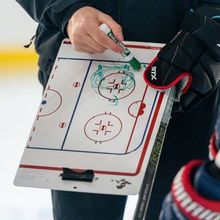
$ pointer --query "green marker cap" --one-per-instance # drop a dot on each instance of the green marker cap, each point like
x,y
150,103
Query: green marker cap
x,y
135,63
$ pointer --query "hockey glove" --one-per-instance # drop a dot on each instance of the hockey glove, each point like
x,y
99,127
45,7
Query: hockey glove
x,y
191,61
194,193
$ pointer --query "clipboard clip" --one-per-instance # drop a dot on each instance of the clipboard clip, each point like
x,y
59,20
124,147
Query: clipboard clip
x,y
76,175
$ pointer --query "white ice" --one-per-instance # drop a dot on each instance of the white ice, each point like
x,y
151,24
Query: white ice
x,y
20,96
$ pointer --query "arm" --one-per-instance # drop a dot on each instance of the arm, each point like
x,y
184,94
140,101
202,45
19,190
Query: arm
x,y
85,35
52,13
211,3
75,20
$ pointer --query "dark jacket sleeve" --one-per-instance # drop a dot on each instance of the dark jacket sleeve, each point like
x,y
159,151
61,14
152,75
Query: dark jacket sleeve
x,y
210,8
216,2
204,24
52,13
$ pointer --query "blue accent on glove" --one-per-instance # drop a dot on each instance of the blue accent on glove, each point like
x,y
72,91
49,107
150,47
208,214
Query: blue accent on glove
x,y
169,210
206,184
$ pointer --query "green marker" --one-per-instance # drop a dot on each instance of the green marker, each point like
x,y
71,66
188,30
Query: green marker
x,y
126,52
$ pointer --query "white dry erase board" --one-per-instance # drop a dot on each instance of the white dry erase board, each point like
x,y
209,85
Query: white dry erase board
x,y
97,118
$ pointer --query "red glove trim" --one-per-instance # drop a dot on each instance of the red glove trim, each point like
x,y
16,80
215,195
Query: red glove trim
x,y
212,147
183,183
178,79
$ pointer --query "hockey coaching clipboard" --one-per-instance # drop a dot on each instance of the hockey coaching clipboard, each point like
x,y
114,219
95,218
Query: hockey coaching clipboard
x,y
96,125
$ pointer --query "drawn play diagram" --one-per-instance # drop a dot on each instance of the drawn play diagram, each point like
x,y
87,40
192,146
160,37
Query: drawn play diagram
x,y
96,113
115,85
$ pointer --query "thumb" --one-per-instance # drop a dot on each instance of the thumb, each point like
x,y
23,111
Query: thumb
x,y
113,25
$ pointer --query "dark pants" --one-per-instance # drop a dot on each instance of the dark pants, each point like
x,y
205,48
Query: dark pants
x,y
84,206
187,138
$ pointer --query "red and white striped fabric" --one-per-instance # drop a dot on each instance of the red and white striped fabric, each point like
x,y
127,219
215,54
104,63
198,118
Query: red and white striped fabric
x,y
191,204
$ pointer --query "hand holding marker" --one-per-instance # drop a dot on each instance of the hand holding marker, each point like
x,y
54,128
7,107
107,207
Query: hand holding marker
x,y
126,52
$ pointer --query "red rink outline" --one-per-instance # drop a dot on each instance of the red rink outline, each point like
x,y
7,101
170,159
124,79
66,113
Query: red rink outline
x,y
151,128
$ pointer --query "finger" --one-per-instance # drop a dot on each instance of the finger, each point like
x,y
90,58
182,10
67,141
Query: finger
x,y
84,51
82,37
113,25
79,43
79,46
94,44
100,37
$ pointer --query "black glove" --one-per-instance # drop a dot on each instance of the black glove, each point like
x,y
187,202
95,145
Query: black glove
x,y
191,60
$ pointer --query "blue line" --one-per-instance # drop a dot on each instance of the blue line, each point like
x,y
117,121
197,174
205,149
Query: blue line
x,y
77,102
